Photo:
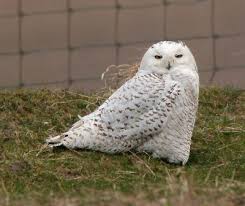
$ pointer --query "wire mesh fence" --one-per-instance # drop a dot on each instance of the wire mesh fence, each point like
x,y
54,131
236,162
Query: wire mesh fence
x,y
51,42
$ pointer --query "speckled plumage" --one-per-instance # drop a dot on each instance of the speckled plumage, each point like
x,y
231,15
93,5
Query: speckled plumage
x,y
153,112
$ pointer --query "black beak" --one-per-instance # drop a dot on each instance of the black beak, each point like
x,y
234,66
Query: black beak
x,y
169,66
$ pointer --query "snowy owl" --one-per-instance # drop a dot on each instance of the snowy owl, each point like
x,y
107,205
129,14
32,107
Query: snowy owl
x,y
153,112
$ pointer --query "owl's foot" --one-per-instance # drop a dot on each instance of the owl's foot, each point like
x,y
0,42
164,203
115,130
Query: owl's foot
x,y
172,159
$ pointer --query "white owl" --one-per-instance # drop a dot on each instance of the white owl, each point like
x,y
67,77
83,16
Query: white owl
x,y
153,112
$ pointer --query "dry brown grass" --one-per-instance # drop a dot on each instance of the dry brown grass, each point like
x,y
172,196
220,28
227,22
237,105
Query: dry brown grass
x,y
31,175
114,76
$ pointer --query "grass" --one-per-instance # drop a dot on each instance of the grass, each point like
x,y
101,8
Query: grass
x,y
33,175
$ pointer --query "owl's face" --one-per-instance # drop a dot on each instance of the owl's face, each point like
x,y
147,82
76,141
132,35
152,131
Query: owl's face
x,y
167,56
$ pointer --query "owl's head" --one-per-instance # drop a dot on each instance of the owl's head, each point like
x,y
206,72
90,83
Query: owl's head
x,y
167,56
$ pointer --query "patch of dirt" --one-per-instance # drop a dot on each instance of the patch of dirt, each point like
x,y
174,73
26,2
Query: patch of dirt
x,y
20,167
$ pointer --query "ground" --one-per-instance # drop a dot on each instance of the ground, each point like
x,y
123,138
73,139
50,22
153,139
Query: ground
x,y
31,174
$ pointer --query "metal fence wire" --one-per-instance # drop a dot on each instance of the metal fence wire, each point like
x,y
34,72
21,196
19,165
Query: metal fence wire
x,y
118,6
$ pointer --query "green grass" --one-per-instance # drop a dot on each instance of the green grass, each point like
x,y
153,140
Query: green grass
x,y
33,175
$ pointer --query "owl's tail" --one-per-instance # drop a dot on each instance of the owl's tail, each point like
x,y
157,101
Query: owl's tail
x,y
68,139
54,141
80,136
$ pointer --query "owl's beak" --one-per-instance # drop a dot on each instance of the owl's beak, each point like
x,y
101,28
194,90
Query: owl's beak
x,y
168,66
166,62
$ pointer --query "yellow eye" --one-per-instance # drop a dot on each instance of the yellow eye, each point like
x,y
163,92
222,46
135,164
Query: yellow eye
x,y
178,55
158,57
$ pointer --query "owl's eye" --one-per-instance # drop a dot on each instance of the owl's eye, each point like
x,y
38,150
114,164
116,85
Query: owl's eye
x,y
158,57
178,55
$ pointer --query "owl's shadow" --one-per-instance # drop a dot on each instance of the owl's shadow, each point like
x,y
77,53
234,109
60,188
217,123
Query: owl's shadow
x,y
200,157
194,158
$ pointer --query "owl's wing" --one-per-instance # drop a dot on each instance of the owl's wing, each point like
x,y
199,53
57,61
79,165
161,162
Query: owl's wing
x,y
138,109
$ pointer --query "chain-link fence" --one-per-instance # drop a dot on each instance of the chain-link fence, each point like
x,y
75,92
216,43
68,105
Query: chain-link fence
x,y
69,43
